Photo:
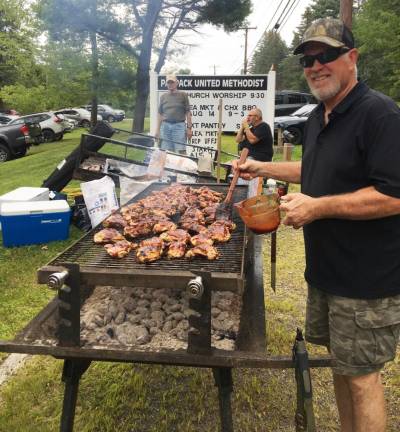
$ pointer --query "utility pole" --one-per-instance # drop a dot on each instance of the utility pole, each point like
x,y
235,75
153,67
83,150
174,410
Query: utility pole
x,y
346,12
246,31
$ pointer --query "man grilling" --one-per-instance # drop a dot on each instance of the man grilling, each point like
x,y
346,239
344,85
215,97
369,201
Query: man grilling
x,y
349,209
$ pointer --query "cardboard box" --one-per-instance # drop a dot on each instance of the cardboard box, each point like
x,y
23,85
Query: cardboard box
x,y
34,222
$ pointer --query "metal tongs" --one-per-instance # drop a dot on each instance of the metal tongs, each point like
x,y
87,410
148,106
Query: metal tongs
x,y
224,210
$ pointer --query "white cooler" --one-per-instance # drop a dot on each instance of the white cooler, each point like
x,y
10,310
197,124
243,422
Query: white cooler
x,y
22,194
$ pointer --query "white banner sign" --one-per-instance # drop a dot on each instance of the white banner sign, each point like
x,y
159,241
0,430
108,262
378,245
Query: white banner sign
x,y
239,94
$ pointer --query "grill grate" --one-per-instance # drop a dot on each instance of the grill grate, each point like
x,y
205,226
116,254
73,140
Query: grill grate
x,y
86,252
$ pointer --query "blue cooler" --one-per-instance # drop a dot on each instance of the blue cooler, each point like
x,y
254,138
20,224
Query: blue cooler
x,y
34,222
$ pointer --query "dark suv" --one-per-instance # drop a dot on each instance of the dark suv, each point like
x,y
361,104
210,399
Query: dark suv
x,y
288,101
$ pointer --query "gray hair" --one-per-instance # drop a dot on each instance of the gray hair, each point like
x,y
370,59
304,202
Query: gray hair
x,y
258,112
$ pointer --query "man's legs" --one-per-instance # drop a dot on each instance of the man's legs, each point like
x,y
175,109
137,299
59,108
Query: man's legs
x,y
343,401
166,136
361,336
361,402
178,132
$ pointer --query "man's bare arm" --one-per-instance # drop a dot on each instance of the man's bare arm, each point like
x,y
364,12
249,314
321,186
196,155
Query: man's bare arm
x,y
284,171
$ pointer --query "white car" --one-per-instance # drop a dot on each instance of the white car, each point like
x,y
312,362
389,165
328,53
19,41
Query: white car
x,y
81,115
52,126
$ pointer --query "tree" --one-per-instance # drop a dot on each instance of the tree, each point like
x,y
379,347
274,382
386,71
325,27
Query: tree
x,y
17,50
170,16
80,22
376,29
271,51
132,25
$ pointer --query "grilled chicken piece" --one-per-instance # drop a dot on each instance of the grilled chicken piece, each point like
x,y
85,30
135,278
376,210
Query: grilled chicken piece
x,y
219,232
203,250
203,237
138,229
150,250
108,235
153,241
163,225
226,222
209,212
176,249
157,203
115,220
131,209
120,249
160,213
175,235
193,214
206,191
192,226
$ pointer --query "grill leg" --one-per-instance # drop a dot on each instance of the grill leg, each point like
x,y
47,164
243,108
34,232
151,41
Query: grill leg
x,y
72,372
69,303
223,380
199,336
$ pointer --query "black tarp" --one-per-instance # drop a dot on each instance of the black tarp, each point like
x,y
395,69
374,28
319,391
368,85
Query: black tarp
x,y
62,175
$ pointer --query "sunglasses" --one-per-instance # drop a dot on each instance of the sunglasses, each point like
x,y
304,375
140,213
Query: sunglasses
x,y
330,55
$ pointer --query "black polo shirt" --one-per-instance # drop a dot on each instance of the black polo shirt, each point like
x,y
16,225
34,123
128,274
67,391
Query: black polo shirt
x,y
359,147
261,150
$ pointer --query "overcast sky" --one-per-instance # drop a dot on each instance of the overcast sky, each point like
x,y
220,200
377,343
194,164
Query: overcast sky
x,y
217,51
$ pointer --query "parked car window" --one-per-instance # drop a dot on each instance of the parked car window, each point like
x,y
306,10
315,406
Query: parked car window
x,y
19,121
278,99
294,98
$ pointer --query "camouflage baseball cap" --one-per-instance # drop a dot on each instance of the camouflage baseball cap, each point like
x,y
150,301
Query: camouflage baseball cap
x,y
329,31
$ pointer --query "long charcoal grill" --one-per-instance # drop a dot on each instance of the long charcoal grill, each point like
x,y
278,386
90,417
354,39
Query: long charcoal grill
x,y
76,271
94,260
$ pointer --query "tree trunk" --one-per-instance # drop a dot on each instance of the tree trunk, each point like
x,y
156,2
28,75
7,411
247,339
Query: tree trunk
x,y
142,85
346,11
95,78
142,78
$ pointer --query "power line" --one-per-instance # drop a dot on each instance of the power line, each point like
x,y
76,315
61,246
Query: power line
x,y
276,26
273,16
259,40
266,29
288,14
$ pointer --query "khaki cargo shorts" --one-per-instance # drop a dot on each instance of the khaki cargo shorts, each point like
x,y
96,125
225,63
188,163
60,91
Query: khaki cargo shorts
x,y
362,335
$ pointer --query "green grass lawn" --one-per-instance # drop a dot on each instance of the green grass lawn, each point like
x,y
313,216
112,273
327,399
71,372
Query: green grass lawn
x,y
116,397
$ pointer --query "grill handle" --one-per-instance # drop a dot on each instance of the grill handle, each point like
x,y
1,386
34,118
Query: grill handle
x,y
56,280
195,287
